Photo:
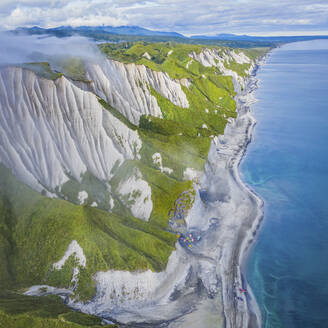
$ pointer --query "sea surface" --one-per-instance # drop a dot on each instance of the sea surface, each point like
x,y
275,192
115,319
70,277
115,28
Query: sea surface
x,y
287,165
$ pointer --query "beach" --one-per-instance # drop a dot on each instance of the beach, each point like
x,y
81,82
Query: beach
x,y
228,213
238,209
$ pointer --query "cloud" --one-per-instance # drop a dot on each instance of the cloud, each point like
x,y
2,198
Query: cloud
x,y
206,16
17,49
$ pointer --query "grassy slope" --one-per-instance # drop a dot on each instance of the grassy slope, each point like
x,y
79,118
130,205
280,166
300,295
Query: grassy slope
x,y
42,69
71,67
35,232
19,311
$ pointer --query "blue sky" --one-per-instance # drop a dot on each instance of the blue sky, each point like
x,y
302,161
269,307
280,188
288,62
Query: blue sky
x,y
256,17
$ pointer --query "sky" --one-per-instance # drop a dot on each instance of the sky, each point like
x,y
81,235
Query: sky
x,y
189,17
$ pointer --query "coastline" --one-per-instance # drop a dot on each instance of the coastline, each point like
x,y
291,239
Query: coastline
x,y
197,287
229,217
248,315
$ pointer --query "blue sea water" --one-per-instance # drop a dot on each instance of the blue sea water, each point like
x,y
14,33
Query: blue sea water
x,y
287,165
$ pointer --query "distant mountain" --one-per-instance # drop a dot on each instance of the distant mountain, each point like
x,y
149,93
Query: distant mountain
x,y
119,30
235,37
136,33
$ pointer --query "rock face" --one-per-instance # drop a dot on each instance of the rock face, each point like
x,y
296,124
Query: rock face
x,y
220,57
135,193
127,88
53,130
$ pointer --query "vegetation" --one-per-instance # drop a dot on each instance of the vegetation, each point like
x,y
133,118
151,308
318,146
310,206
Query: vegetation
x,y
19,311
42,69
72,67
103,35
35,232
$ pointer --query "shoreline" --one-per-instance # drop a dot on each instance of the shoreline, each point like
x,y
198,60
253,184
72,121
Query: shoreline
x,y
237,211
252,316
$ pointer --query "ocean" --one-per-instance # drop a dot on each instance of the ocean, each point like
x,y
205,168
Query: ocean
x,y
287,165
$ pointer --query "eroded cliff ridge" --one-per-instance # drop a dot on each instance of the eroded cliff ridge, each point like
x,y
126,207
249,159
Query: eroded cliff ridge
x,y
98,173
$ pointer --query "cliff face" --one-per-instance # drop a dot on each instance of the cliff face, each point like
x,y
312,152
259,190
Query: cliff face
x,y
222,58
52,130
124,142
127,88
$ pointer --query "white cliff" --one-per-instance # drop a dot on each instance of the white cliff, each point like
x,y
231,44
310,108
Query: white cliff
x,y
126,87
72,249
52,130
135,193
157,160
219,57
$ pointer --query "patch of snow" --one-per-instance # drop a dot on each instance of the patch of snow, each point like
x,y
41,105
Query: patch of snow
x,y
138,194
94,204
73,249
82,196
204,126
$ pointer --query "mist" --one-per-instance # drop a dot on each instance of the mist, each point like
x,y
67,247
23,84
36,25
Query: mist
x,y
19,49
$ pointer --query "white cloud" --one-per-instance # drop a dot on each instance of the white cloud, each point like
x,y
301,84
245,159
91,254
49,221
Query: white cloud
x,y
18,49
207,16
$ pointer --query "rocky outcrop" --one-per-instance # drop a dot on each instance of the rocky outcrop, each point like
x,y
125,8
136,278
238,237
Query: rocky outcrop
x,y
126,87
219,57
135,193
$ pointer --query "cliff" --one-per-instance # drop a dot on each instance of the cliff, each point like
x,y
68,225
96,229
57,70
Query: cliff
x,y
92,169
